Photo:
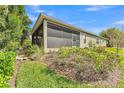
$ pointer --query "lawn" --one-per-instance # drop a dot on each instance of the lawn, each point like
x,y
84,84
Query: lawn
x,y
37,75
121,51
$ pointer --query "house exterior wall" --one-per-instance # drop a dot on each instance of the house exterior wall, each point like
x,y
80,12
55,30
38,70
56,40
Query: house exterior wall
x,y
50,38
90,38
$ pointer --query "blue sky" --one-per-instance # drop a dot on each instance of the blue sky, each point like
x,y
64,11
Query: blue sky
x,y
90,18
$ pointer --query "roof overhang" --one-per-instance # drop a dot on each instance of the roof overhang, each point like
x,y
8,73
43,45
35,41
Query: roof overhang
x,y
42,17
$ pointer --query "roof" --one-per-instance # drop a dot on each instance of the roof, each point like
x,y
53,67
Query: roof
x,y
42,17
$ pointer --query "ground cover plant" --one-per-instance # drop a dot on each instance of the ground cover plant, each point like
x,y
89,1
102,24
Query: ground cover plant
x,y
7,60
121,83
84,65
121,53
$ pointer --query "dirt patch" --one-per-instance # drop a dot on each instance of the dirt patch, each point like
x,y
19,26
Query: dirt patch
x,y
112,80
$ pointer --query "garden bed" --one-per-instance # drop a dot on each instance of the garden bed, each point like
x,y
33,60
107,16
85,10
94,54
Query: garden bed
x,y
73,67
89,66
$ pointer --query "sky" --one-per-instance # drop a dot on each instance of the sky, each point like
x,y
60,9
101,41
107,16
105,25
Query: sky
x,y
90,18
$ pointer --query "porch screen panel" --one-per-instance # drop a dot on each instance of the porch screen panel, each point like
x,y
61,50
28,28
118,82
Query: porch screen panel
x,y
37,37
58,36
54,33
67,33
54,42
67,42
54,39
76,39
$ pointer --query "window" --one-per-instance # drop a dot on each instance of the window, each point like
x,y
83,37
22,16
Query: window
x,y
97,41
76,40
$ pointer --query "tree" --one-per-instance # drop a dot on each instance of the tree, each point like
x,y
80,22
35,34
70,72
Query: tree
x,y
115,36
13,20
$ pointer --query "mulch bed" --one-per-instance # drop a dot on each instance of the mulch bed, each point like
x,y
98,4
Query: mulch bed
x,y
68,70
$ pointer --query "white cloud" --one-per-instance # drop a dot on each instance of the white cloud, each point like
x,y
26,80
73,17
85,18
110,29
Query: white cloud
x,y
50,13
40,11
32,17
77,22
37,9
96,30
97,7
92,21
83,22
120,22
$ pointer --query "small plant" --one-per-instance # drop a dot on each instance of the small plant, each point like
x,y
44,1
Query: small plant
x,y
91,44
35,51
99,49
32,50
66,51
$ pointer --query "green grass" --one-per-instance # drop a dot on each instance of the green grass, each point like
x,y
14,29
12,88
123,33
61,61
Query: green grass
x,y
114,50
37,75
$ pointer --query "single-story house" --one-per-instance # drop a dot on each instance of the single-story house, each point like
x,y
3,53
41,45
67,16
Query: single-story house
x,y
52,34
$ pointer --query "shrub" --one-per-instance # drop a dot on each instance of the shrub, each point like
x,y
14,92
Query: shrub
x,y
12,46
7,60
66,51
84,65
88,53
99,49
32,50
91,44
35,51
85,72
27,43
